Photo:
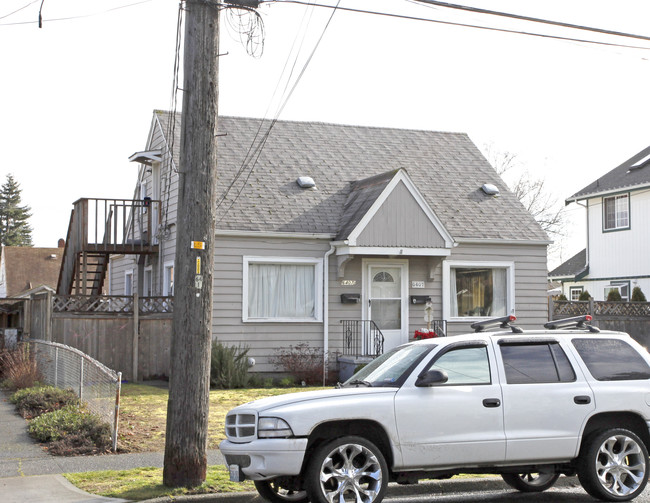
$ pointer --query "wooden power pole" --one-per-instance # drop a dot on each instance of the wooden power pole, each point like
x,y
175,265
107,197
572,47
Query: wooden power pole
x,y
187,409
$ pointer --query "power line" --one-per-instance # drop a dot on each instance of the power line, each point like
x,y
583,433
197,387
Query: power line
x,y
464,25
532,19
18,10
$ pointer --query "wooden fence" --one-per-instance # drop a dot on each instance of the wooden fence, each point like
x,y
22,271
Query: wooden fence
x,y
110,329
630,317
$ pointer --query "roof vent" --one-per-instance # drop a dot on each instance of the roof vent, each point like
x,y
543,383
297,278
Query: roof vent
x,y
490,190
52,256
306,182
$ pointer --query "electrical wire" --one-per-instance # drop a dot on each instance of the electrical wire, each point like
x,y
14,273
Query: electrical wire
x,y
70,18
261,145
531,19
451,23
18,10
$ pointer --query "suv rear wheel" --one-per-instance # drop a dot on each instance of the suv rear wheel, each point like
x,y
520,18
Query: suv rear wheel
x,y
613,465
530,482
274,491
347,469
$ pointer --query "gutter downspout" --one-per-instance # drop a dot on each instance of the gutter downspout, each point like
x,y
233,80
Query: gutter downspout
x,y
326,274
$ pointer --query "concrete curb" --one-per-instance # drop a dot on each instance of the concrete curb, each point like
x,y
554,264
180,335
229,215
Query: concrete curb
x,y
428,487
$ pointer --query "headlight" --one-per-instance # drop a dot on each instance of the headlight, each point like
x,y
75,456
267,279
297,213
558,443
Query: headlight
x,y
273,427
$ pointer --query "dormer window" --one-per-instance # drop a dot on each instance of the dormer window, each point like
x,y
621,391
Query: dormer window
x,y
616,212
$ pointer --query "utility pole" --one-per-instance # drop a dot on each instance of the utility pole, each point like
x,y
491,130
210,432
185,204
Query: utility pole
x,y
189,386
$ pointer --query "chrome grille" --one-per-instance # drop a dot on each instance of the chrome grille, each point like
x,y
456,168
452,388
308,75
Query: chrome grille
x,y
241,427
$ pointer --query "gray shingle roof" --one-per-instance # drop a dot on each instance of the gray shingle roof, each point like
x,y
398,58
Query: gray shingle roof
x,y
625,176
447,168
572,267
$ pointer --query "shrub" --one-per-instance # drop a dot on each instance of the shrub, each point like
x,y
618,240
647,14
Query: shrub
x,y
585,295
69,427
614,296
303,362
32,402
562,297
637,295
18,367
228,366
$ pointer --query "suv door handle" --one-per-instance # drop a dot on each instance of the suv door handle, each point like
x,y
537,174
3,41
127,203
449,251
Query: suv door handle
x,y
491,402
582,399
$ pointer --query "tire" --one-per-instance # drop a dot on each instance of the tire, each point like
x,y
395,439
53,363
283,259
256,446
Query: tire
x,y
530,482
347,469
613,465
273,492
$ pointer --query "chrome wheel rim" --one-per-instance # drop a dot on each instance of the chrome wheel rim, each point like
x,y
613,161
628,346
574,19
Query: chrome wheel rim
x,y
536,479
620,465
351,473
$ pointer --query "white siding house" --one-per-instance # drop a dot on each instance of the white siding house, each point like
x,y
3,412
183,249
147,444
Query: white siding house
x,y
617,208
393,218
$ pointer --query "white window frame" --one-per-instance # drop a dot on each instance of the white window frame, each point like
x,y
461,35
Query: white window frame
x,y
576,289
166,286
447,265
318,286
128,274
616,200
147,282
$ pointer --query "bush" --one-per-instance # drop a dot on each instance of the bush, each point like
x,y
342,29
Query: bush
x,y
18,368
303,362
71,431
614,296
228,366
637,295
33,402
562,297
585,295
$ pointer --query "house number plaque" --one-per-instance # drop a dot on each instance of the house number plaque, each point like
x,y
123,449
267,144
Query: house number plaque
x,y
348,282
417,284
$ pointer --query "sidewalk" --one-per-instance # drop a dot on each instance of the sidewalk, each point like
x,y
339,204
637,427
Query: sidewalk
x,y
29,474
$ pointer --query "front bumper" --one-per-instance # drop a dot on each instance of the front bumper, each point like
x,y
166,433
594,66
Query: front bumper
x,y
266,458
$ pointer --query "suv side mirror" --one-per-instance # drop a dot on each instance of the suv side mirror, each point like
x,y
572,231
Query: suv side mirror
x,y
431,378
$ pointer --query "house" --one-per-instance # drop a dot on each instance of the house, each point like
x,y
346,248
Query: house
x,y
26,270
617,207
337,236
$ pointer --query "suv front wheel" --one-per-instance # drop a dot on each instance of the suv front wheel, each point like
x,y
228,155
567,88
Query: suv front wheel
x,y
347,469
613,465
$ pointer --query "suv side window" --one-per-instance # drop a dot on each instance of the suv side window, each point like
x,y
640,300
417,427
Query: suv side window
x,y
527,363
465,365
612,359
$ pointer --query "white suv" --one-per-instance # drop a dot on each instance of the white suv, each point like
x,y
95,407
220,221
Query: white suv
x,y
529,405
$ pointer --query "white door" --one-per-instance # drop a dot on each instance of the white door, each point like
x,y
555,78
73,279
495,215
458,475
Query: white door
x,y
386,290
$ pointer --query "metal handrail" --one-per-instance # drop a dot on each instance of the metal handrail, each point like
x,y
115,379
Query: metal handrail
x,y
362,338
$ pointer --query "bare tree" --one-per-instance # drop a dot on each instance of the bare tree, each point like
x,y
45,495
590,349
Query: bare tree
x,y
541,203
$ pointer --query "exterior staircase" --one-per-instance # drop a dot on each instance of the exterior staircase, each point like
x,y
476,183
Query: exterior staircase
x,y
98,229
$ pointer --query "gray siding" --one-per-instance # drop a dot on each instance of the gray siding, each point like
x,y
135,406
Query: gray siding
x,y
263,338
401,222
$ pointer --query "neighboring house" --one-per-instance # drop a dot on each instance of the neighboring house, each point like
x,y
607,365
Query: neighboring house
x,y
25,270
618,234
330,230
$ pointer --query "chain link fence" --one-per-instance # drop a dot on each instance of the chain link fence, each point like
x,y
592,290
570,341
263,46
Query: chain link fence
x,y
95,384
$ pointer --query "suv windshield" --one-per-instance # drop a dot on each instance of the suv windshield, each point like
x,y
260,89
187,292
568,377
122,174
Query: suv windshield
x,y
389,368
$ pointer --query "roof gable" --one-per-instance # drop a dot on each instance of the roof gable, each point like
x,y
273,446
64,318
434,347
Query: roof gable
x,y
573,268
389,211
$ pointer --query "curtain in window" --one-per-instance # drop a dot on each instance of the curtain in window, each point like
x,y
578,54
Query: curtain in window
x,y
454,292
478,291
499,292
281,291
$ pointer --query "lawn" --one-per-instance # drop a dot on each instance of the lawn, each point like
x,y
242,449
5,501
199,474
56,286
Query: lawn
x,y
143,412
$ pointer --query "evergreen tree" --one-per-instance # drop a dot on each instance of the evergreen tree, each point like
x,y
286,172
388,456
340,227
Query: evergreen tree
x,y
14,227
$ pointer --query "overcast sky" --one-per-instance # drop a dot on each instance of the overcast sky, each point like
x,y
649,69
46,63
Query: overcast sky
x,y
78,94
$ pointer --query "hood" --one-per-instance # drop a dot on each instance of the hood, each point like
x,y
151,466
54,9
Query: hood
x,y
273,402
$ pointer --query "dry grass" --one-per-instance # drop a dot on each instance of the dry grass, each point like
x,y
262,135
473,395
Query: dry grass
x,y
143,413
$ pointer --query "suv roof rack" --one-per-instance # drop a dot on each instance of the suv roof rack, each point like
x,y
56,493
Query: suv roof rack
x,y
503,322
574,322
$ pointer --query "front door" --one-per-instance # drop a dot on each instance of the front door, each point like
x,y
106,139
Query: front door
x,y
386,301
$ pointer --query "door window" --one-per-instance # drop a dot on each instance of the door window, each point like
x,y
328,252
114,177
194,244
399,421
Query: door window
x,y
536,363
465,366
386,297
